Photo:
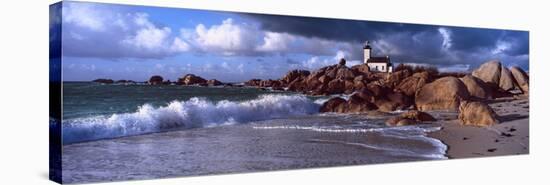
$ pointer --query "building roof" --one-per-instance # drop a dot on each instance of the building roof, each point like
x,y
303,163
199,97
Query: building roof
x,y
379,60
367,47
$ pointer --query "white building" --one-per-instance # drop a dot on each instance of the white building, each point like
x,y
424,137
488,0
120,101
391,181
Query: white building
x,y
378,64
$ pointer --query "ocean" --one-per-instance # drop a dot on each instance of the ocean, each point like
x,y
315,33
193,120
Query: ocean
x,y
124,132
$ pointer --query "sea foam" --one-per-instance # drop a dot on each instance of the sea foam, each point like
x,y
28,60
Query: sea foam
x,y
194,113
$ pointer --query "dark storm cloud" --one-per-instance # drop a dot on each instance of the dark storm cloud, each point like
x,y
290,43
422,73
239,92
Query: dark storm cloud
x,y
520,42
333,29
411,42
471,39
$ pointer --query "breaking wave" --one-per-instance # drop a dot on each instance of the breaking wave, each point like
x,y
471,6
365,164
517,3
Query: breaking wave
x,y
193,113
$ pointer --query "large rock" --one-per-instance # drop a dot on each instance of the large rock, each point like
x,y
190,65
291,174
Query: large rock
x,y
349,86
191,79
359,82
377,89
361,69
477,114
155,80
442,94
403,101
395,78
385,105
344,73
507,81
521,78
412,84
359,102
333,105
409,118
330,71
335,86
297,85
294,74
476,87
489,72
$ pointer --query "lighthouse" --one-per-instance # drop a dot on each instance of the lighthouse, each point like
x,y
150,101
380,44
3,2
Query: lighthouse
x,y
376,64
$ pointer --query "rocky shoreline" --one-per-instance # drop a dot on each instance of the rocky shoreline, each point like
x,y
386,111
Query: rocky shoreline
x,y
479,103
413,89
418,92
408,89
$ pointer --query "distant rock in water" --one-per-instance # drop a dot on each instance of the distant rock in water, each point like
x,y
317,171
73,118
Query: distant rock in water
x,y
191,79
155,80
214,82
125,82
476,114
103,81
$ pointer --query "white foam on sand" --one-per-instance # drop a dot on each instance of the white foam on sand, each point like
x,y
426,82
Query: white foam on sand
x,y
194,113
404,132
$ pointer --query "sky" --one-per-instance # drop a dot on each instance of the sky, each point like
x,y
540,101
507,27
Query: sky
x,y
136,42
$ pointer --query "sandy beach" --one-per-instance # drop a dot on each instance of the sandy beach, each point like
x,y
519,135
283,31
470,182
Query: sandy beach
x,y
510,137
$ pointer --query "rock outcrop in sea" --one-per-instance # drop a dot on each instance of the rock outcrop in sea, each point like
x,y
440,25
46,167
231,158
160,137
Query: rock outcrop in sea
x,y
155,80
103,81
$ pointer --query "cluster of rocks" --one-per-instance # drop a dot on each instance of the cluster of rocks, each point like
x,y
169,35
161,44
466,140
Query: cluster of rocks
x,y
110,81
405,90
103,81
188,79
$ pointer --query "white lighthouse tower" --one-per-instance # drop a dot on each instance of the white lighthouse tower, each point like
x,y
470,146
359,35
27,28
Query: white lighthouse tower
x,y
367,52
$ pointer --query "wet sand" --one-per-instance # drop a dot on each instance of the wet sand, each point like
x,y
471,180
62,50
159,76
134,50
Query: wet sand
x,y
510,137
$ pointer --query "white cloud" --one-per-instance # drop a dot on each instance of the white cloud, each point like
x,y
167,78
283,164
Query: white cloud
x,y
150,38
501,46
447,41
179,45
276,42
92,30
83,15
154,39
227,38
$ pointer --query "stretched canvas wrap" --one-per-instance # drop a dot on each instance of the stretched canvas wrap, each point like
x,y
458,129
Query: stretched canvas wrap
x,y
140,92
